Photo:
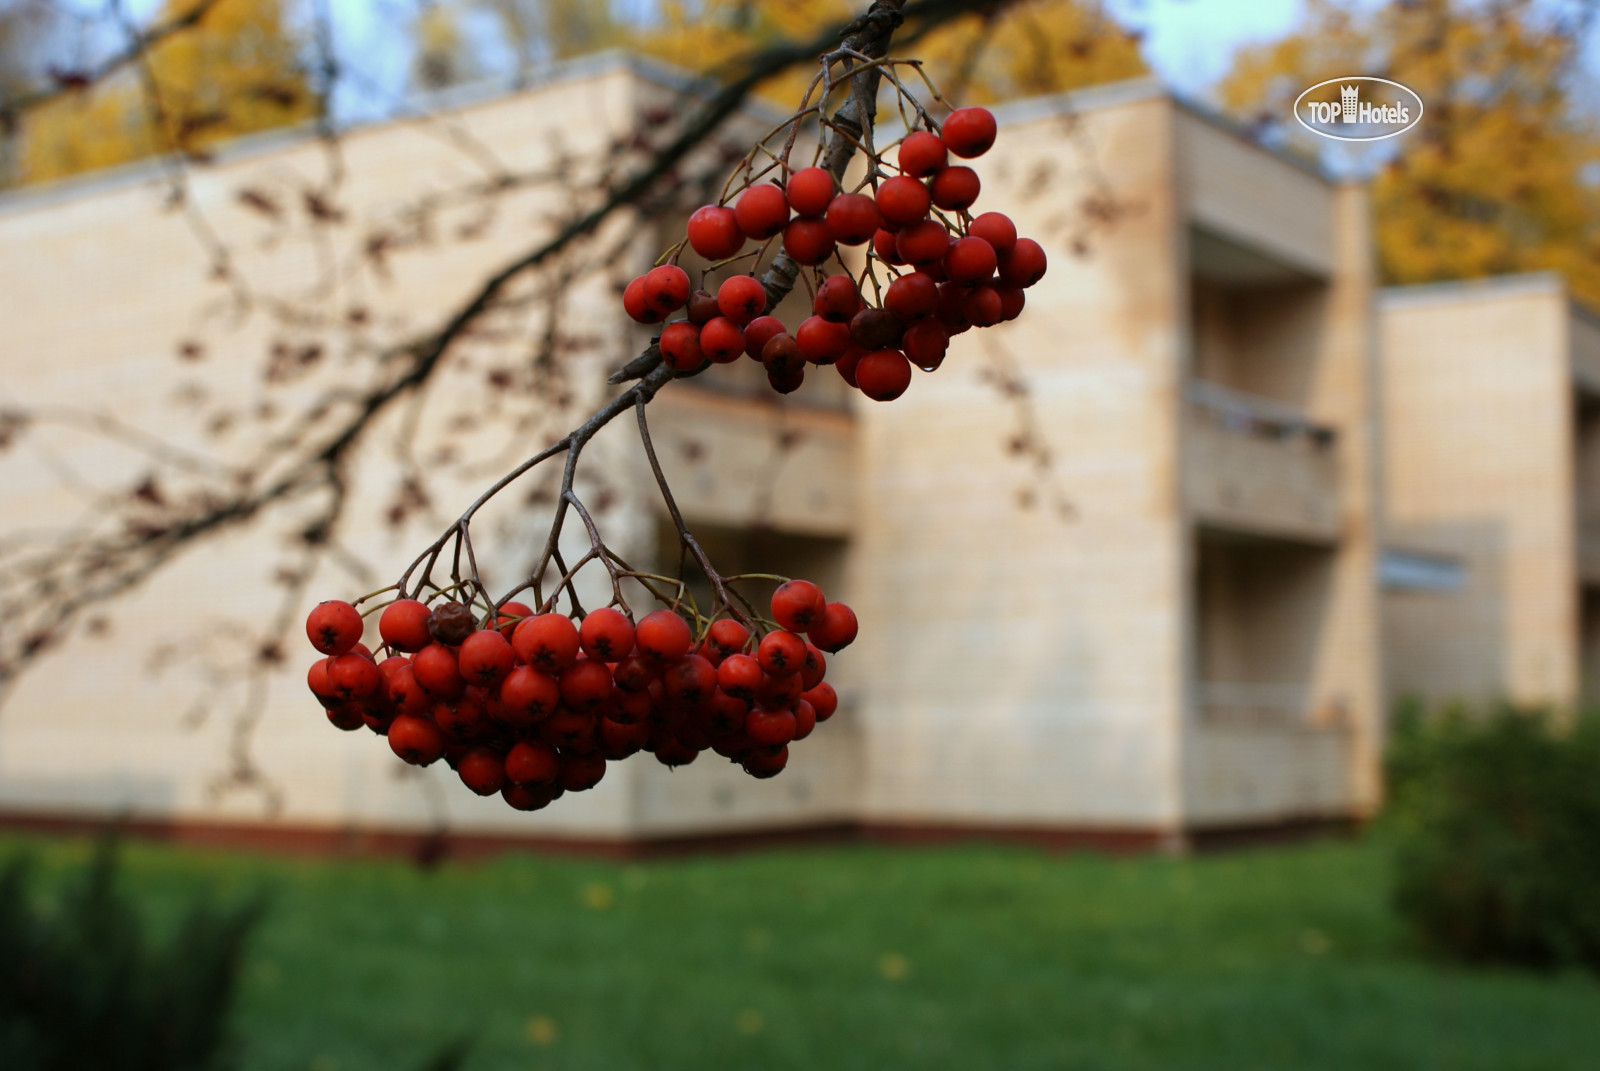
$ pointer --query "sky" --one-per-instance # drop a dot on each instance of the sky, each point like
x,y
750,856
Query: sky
x,y
1189,42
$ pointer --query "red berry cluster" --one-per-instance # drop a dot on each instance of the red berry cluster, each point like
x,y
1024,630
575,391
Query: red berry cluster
x,y
538,706
952,271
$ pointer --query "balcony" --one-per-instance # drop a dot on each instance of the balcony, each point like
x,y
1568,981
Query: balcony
x,y
1257,466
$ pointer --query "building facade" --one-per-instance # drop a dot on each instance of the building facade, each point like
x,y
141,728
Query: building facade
x,y
1115,562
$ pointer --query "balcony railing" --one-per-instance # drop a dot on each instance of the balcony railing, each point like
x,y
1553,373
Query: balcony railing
x,y
1255,465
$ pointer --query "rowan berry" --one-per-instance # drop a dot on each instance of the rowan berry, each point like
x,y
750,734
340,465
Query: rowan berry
x,y
955,188
786,380
781,653
902,200
820,341
875,328
722,714
353,676
1012,302
805,719
463,718
761,211
322,685
662,637
883,375
482,771
769,728
797,605
528,798
416,740
925,343
922,153
742,298
334,627
1023,264
585,684
631,707
782,357
766,764
846,365
703,308
510,616
406,693
690,680
758,332
404,625
675,753
346,717
739,676
982,306
994,228
837,299
581,771
666,287
570,729
680,346
776,692
823,699
721,340
813,669
951,296
923,243
548,642
727,636
637,305
632,673
837,629
809,191
969,132
886,244
970,261
852,218
714,232
912,296
808,241
451,623
617,741
531,696
485,658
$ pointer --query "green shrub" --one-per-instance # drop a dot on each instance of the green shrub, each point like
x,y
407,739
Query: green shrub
x,y
1495,821
81,986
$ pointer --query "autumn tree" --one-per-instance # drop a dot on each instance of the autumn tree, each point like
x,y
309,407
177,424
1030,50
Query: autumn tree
x,y
1498,176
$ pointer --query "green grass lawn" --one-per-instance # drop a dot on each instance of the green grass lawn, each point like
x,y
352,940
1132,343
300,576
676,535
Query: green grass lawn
x,y
860,957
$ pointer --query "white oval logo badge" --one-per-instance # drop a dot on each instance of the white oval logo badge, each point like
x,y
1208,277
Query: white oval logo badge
x,y
1358,108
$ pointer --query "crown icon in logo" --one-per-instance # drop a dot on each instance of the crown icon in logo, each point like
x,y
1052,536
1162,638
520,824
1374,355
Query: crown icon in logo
x,y
1348,108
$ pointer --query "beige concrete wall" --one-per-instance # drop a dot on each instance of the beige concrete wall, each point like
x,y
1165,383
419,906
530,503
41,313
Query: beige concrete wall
x,y
1479,467
1021,667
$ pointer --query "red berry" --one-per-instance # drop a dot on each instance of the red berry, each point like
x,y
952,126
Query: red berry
x,y
637,305
923,243
482,771
761,211
912,296
353,676
580,772
821,342
721,340
814,669
464,717
837,299
875,328
691,679
769,728
1012,302
823,699
808,241
675,753
837,630
982,306
846,365
405,694
887,245
570,729
511,615
703,308
797,605
925,343
334,627
662,637
739,676
485,658
346,717
996,229
631,707
955,188
763,765
852,218
781,653
786,380
606,635
585,684
680,346
969,132
533,762
809,191
970,261
902,200
883,375
782,358
951,297
722,714
322,685
922,153
727,636
530,695
666,288
759,332
805,719
1023,264
527,798
616,741
547,641
634,674
416,740
404,625
714,232
742,298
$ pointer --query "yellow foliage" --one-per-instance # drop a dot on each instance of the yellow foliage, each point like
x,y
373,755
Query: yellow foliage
x,y
236,72
1494,180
